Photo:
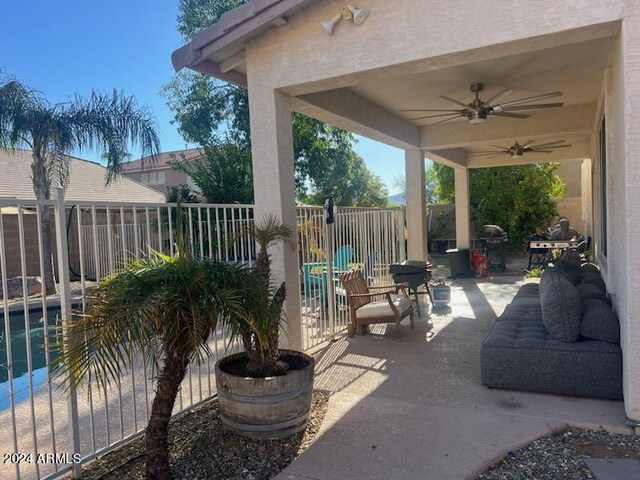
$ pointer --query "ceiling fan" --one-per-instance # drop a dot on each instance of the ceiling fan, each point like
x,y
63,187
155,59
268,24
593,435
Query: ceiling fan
x,y
517,150
477,111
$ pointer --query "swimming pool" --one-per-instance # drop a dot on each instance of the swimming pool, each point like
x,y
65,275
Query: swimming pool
x,y
20,371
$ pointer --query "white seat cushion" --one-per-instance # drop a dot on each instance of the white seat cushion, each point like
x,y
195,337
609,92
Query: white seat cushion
x,y
381,308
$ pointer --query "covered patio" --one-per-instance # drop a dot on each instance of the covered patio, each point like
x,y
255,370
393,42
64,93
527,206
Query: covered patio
x,y
416,409
406,55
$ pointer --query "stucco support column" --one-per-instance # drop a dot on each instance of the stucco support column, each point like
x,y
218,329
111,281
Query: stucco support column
x,y
416,205
463,230
627,98
274,191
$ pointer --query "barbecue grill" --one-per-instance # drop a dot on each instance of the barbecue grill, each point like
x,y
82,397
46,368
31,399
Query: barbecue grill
x,y
494,246
414,273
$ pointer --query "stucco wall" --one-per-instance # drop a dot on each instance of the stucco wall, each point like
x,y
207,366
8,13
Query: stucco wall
x,y
570,173
172,178
621,263
415,33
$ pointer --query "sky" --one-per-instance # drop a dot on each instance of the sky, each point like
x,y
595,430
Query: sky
x,y
68,47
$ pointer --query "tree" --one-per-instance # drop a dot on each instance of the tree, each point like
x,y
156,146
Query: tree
x,y
519,198
108,123
210,112
162,309
349,182
223,174
183,193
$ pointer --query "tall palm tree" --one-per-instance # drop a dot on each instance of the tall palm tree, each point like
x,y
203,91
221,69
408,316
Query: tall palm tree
x,y
107,123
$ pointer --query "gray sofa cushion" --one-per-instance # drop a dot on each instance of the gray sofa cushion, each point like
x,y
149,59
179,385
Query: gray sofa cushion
x,y
599,322
589,291
560,305
520,354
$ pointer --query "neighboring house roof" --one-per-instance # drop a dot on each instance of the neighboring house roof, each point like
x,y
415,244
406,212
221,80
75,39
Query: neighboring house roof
x,y
226,39
162,160
86,181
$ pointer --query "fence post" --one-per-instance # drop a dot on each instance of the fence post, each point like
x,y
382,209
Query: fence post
x,y
330,284
64,287
402,232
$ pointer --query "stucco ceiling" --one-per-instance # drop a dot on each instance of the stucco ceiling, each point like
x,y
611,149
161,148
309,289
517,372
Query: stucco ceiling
x,y
576,70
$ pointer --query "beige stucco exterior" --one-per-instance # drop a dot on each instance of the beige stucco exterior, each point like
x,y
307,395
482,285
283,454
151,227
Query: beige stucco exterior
x,y
406,54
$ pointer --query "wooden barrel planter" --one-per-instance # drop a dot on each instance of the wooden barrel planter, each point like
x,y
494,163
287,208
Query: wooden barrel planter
x,y
271,407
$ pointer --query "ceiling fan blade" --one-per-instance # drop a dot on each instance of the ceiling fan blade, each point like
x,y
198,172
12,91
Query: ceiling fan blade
x,y
443,121
531,107
551,144
528,99
528,143
545,149
429,110
509,114
457,114
502,149
455,101
540,151
487,152
496,98
497,155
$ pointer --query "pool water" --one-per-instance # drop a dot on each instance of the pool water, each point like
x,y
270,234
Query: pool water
x,y
20,374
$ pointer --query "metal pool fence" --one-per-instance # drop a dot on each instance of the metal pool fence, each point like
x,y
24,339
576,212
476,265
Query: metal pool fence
x,y
48,431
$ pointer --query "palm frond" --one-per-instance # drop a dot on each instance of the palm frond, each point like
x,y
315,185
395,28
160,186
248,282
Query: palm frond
x,y
156,306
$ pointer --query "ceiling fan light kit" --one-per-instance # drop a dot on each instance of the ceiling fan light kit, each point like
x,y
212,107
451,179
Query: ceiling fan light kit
x,y
477,117
478,110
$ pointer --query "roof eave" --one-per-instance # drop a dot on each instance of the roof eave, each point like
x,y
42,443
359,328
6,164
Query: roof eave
x,y
231,33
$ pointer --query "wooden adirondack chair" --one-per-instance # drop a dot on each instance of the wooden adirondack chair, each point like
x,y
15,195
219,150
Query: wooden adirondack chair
x,y
375,304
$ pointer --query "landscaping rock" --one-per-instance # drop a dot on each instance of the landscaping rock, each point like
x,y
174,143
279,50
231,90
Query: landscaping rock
x,y
563,455
202,448
14,287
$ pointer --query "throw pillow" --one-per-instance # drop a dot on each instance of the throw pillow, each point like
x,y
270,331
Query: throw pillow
x,y
571,269
592,279
571,256
561,306
599,322
589,291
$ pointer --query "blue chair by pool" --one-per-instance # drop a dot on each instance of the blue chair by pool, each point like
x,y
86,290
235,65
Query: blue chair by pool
x,y
315,274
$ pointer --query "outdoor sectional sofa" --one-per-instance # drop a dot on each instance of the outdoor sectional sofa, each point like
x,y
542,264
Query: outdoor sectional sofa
x,y
558,336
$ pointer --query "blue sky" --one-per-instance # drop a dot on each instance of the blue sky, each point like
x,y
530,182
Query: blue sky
x,y
71,46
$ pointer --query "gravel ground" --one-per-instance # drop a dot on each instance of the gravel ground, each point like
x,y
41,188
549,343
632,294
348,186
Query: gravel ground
x,y
561,455
201,448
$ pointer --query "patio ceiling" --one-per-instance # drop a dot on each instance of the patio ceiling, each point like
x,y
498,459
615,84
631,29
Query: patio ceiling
x,y
374,107
575,69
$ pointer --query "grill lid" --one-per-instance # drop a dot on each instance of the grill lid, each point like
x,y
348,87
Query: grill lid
x,y
408,267
493,232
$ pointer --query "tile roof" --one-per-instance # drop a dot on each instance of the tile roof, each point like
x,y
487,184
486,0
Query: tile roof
x,y
162,160
86,181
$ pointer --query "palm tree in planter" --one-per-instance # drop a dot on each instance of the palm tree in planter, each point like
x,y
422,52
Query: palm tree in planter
x,y
108,123
264,392
161,309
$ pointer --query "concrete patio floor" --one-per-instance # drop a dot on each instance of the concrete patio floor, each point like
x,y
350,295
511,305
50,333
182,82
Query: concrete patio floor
x,y
415,408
